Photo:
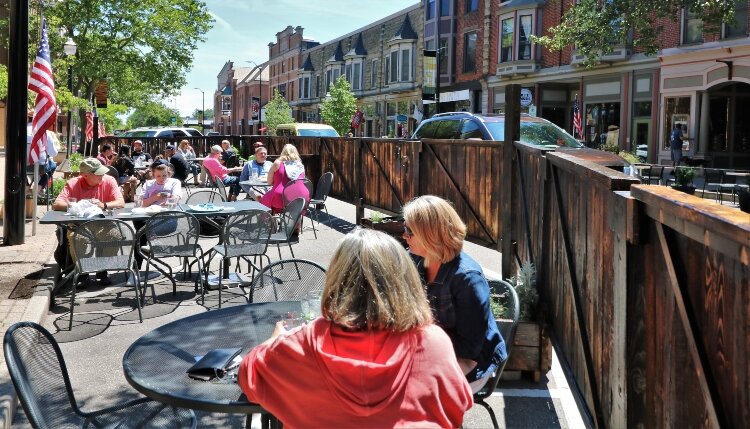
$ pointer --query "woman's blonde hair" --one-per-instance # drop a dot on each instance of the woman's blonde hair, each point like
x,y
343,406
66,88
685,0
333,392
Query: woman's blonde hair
x,y
289,153
436,225
183,143
372,283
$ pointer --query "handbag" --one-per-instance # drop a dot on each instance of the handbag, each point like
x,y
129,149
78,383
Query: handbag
x,y
213,364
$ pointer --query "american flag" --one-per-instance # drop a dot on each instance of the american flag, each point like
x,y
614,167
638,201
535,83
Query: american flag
x,y
577,119
45,108
102,131
89,126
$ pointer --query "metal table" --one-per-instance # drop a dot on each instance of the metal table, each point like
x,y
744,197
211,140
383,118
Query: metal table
x,y
156,363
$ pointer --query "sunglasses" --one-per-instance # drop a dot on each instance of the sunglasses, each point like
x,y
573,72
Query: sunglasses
x,y
407,232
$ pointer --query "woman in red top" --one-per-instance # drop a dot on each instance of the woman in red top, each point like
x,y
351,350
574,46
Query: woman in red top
x,y
374,359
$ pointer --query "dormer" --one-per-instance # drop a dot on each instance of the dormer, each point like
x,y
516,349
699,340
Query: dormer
x,y
400,55
353,64
305,79
334,66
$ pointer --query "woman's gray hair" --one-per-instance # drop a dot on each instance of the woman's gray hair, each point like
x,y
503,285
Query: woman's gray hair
x,y
216,149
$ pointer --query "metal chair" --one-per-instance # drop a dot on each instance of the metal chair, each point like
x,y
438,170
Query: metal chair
x,y
318,200
712,180
653,176
207,229
288,279
288,220
103,245
39,374
502,290
245,234
171,234
219,185
292,190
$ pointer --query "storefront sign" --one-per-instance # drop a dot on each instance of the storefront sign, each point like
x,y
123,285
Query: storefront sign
x,y
401,118
526,97
446,97
429,75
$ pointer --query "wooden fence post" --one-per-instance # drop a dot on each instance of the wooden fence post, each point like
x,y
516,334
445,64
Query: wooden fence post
x,y
508,177
357,183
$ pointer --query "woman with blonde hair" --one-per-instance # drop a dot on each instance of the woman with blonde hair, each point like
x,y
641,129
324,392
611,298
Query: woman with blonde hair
x,y
458,292
287,167
373,359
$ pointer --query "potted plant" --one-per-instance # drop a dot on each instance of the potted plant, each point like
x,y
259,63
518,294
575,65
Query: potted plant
x,y
683,177
531,351
391,225
74,161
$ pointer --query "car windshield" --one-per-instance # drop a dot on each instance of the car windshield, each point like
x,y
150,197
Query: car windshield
x,y
537,133
314,132
194,133
140,133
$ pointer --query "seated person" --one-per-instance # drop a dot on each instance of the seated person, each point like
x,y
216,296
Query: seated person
x,y
106,154
139,153
373,359
162,186
95,185
227,152
179,163
189,154
287,167
126,170
215,169
260,166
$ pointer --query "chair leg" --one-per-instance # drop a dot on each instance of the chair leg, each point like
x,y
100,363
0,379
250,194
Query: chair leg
x,y
291,250
137,292
278,248
221,276
72,300
492,413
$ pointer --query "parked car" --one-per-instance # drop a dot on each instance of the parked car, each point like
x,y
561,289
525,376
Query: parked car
x,y
164,132
534,130
641,151
306,130
212,134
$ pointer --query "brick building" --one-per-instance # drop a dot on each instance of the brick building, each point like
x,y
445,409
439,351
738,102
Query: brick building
x,y
240,94
285,61
382,62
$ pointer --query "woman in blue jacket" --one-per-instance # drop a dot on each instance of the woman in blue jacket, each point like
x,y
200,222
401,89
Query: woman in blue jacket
x,y
458,292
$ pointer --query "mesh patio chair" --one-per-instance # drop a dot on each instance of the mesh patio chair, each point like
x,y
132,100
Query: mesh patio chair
x,y
103,245
712,179
293,190
171,234
288,221
318,201
245,234
652,175
39,374
207,229
233,161
219,185
505,292
287,280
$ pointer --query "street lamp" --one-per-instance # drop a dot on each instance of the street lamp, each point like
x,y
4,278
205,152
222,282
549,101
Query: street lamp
x,y
203,112
70,49
260,89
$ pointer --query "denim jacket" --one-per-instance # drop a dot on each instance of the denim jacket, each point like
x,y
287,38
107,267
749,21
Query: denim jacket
x,y
459,297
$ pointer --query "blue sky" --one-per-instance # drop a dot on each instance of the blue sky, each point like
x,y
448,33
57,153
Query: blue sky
x,y
243,29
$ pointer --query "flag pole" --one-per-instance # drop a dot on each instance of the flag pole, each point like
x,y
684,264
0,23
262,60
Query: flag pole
x,y
34,193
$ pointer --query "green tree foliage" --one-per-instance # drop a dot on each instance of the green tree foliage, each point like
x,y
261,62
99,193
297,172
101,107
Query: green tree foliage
x,y
197,114
277,112
3,81
589,24
110,116
153,114
141,48
338,109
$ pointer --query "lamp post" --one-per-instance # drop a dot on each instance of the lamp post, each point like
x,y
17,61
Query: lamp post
x,y
260,90
70,49
203,111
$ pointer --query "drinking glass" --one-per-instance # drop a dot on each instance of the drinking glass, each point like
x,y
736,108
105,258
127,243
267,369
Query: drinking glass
x,y
172,202
255,175
71,202
139,200
292,320
311,305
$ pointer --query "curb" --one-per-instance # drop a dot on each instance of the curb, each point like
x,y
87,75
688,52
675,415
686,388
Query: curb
x,y
36,309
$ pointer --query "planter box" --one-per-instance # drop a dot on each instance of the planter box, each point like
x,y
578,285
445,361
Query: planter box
x,y
531,351
393,226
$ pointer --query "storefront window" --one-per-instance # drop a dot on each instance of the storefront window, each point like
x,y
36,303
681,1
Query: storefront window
x,y
677,110
602,124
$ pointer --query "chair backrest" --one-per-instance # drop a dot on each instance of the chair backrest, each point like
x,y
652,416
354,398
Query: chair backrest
x,y
247,232
501,289
232,162
112,171
205,196
297,188
324,186
287,280
713,175
290,217
220,187
40,377
102,244
172,233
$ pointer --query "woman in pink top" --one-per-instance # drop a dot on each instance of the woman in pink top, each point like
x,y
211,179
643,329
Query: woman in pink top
x,y
215,169
287,167
374,359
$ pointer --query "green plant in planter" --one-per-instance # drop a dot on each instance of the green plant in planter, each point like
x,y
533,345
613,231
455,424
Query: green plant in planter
x,y
525,285
75,161
630,157
683,176
376,217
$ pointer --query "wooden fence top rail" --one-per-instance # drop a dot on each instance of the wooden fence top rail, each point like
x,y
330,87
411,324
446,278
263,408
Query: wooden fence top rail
x,y
604,176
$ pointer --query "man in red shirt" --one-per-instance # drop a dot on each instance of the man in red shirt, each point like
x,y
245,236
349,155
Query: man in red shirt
x,y
105,156
100,189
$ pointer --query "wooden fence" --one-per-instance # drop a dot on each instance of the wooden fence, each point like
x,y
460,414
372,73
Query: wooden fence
x,y
647,289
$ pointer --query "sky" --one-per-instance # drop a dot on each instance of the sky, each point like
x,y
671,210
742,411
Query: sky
x,y
242,30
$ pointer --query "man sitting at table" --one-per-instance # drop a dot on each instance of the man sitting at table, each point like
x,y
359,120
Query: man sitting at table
x,y
95,185
259,166
180,165
215,169
227,152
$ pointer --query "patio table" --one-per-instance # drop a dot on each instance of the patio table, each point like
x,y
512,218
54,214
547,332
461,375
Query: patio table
x,y
156,363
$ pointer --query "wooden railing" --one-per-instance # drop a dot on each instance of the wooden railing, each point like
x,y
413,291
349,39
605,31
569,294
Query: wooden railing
x,y
647,289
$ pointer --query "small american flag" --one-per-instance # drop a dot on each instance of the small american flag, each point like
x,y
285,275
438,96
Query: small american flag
x,y
89,126
577,119
45,108
102,130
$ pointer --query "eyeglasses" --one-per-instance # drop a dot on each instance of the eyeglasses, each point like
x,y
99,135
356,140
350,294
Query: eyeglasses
x,y
407,232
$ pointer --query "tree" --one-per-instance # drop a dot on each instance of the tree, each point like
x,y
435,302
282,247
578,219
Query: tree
x,y
3,81
197,114
277,112
153,114
589,24
141,48
110,116
338,109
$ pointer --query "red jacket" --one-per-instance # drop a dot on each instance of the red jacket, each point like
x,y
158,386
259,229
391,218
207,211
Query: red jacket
x,y
320,375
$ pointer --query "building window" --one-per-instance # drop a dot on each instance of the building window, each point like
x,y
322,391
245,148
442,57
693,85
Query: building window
x,y
374,73
353,70
405,65
506,40
471,5
282,67
429,45
332,75
394,66
304,87
399,64
443,55
430,9
739,27
387,70
445,7
470,50
318,86
692,28
524,31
